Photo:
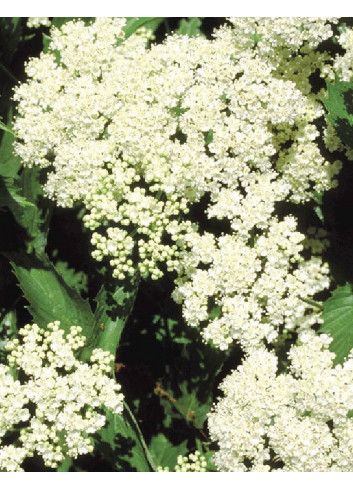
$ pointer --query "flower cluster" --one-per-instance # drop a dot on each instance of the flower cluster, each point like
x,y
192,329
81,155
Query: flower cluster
x,y
295,421
194,462
139,135
13,411
62,400
256,290
153,130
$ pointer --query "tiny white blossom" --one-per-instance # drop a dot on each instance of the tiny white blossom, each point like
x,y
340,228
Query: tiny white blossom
x,y
295,421
68,396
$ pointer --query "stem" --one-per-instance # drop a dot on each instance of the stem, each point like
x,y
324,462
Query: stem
x,y
312,303
141,438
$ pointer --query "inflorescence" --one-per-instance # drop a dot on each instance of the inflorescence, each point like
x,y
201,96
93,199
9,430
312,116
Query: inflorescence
x,y
61,401
299,421
139,134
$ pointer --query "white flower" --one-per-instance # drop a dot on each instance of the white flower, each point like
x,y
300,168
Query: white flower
x,y
294,421
69,396
125,128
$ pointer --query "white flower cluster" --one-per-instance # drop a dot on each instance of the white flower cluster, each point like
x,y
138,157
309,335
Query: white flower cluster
x,y
13,400
36,22
60,404
139,135
194,462
289,44
295,421
257,289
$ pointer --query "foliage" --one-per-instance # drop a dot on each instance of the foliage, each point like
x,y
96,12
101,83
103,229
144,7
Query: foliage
x,y
339,104
338,321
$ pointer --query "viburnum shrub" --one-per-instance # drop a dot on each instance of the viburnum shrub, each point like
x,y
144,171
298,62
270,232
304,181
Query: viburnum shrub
x,y
199,167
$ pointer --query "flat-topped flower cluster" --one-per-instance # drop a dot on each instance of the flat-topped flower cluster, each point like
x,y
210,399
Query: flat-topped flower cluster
x,y
58,402
139,134
299,421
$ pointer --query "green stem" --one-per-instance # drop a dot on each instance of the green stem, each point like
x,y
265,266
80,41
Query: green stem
x,y
141,438
312,303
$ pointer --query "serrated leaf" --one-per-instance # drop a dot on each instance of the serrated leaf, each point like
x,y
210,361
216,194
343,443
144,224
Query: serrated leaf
x,y
338,321
49,297
75,279
121,446
134,23
35,219
189,27
339,104
10,196
112,311
29,208
164,453
194,410
21,194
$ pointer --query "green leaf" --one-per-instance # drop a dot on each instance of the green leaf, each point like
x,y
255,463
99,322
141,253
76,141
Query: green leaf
x,y
189,27
112,311
46,40
211,467
208,137
339,104
49,297
37,218
3,127
183,341
9,163
164,453
9,195
75,279
134,23
22,194
122,444
338,321
59,21
194,409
